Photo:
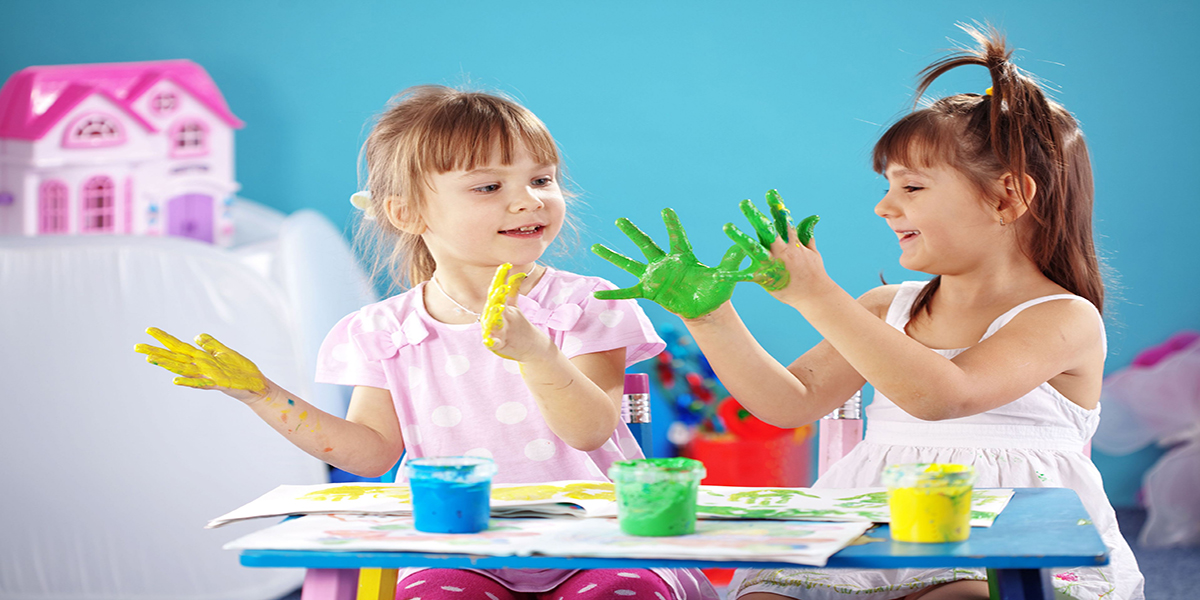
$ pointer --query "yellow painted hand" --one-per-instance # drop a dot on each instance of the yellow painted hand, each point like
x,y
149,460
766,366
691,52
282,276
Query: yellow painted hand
x,y
213,365
503,292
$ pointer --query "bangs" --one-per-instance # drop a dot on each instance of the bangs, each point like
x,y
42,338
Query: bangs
x,y
920,140
473,129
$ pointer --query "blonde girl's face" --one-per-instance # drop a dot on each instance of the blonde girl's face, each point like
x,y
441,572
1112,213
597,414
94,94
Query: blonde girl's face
x,y
493,214
943,224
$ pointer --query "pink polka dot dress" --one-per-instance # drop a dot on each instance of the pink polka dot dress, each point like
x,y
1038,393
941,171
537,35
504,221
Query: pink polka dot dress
x,y
454,397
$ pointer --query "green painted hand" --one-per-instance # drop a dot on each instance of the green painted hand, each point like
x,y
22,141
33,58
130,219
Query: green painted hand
x,y
676,280
770,273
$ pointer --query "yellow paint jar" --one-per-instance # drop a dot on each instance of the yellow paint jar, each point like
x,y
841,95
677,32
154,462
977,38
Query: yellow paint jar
x,y
930,503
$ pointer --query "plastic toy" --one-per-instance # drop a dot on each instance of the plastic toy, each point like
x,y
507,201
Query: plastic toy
x,y
122,148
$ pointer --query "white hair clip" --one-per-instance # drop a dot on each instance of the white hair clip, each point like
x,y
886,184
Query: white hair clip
x,y
362,201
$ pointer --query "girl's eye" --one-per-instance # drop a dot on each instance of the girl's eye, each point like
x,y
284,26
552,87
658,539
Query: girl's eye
x,y
912,188
542,181
491,187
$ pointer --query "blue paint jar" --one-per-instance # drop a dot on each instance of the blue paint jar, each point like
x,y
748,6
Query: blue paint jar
x,y
451,494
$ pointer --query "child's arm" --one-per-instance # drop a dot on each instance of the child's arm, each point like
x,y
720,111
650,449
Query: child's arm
x,y
1041,343
367,442
579,398
811,387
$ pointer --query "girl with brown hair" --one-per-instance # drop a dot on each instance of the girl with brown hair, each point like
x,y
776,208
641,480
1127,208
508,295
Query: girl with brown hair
x,y
995,363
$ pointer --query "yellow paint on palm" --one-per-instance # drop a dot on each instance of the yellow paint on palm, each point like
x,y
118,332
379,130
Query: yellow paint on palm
x,y
504,291
213,364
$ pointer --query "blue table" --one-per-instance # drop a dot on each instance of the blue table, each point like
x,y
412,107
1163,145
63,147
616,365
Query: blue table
x,y
1041,528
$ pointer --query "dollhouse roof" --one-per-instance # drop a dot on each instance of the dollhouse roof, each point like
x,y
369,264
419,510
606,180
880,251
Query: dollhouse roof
x,y
34,99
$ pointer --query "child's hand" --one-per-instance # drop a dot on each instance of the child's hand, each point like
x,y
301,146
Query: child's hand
x,y
676,280
213,366
506,331
789,269
770,272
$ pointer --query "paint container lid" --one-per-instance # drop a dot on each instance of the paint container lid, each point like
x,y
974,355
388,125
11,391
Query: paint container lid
x,y
637,383
654,470
922,475
454,469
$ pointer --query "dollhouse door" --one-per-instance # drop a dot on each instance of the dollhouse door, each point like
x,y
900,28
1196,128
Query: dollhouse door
x,y
191,216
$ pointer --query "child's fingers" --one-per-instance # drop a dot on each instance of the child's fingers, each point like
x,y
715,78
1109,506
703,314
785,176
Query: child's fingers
x,y
194,382
621,294
514,287
498,278
732,259
782,216
171,342
156,353
804,231
756,251
621,261
761,224
649,249
231,360
678,237
176,367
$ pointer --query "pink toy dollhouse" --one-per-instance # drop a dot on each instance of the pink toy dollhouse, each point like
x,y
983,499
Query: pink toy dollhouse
x,y
123,148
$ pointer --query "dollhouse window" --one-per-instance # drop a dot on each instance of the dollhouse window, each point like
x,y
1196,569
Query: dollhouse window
x,y
52,207
164,103
93,131
99,205
189,138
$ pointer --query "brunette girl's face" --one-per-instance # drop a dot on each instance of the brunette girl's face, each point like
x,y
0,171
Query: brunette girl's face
x,y
942,221
494,213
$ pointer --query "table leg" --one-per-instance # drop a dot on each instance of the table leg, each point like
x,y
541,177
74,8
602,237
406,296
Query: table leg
x,y
1020,584
329,584
377,584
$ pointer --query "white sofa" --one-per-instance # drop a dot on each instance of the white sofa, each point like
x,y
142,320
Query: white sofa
x,y
110,472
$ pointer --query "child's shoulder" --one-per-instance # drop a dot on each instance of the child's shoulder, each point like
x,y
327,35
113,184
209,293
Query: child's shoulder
x,y
879,299
386,314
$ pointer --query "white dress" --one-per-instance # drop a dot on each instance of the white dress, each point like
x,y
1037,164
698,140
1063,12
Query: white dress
x,y
1035,441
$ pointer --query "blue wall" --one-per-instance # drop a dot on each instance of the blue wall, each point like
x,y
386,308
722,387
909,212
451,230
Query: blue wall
x,y
695,105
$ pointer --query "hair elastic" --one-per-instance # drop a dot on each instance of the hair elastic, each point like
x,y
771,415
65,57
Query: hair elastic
x,y
987,92
362,201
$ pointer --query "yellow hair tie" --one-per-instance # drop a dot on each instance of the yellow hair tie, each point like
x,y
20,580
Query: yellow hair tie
x,y
987,92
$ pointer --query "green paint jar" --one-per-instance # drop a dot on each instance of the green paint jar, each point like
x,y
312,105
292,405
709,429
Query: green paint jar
x,y
657,496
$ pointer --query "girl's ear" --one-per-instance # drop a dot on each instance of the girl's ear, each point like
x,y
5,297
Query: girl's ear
x,y
1012,206
403,216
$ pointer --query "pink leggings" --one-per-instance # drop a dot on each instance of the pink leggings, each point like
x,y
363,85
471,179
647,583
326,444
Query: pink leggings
x,y
439,584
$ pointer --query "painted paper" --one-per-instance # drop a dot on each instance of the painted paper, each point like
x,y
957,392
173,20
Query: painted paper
x,y
597,499
799,542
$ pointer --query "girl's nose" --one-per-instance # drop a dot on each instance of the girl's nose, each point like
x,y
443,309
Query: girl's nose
x,y
528,199
885,208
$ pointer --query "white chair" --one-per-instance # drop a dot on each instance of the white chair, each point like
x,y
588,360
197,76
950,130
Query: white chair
x,y
113,471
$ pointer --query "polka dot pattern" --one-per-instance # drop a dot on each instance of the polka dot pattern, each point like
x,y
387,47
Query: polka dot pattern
x,y
446,416
629,447
511,413
611,318
457,364
571,345
539,450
